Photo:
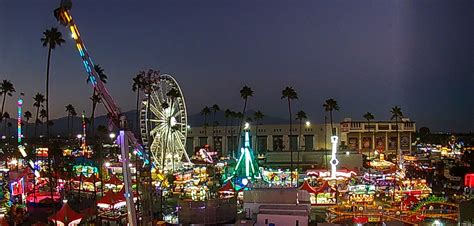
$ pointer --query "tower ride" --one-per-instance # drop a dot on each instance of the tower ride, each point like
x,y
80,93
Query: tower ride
x,y
64,17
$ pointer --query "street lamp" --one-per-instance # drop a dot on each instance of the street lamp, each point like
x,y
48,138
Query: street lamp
x,y
112,135
308,123
107,164
79,136
246,125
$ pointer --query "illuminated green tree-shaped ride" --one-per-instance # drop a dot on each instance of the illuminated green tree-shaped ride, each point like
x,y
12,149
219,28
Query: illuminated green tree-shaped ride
x,y
247,167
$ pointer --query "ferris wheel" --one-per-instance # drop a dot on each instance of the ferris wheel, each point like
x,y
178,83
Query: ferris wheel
x,y
163,122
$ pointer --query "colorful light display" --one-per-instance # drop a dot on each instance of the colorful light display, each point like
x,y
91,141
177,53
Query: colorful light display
x,y
246,166
19,119
334,160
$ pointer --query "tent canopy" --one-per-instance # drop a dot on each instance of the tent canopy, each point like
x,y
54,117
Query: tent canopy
x,y
66,215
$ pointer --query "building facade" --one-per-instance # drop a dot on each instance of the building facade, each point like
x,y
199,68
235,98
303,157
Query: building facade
x,y
263,138
382,136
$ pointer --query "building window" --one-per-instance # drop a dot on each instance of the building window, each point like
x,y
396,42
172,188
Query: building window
x,y
383,127
190,146
308,142
218,144
266,221
202,141
231,143
278,143
261,144
297,223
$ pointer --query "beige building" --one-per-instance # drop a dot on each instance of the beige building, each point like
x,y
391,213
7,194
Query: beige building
x,y
262,137
377,135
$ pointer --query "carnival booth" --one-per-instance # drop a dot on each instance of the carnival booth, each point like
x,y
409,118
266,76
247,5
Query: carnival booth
x,y
279,178
319,196
415,187
227,190
325,194
66,216
86,184
42,198
362,194
113,183
409,202
112,206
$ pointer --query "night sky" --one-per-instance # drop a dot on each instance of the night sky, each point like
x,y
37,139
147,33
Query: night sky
x,y
368,55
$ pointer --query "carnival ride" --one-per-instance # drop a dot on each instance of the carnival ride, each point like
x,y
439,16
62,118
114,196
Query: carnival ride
x,y
164,123
115,115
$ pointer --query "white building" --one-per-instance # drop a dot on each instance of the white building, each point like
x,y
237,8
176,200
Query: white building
x,y
265,197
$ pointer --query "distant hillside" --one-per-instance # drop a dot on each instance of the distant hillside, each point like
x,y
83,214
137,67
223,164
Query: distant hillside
x,y
61,127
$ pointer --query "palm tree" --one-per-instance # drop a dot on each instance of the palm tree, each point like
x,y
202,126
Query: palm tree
x,y
369,116
69,109
245,93
240,118
9,126
397,114
215,108
227,115
27,116
6,88
290,94
205,111
232,116
137,85
5,118
331,105
96,98
301,115
257,116
39,100
51,39
43,115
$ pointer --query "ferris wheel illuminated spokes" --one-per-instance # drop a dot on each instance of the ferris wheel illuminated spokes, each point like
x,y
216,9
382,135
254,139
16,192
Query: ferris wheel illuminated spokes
x,y
164,124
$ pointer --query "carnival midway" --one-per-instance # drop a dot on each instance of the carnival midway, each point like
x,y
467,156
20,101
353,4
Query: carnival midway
x,y
151,178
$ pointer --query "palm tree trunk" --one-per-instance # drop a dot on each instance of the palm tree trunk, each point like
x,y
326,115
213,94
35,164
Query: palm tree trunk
x,y
36,119
91,128
137,127
299,147
231,138
47,90
3,103
68,121
332,127
26,128
225,135
213,127
256,138
289,143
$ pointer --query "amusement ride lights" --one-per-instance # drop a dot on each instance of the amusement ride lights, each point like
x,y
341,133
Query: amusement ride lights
x,y
21,148
63,16
334,160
